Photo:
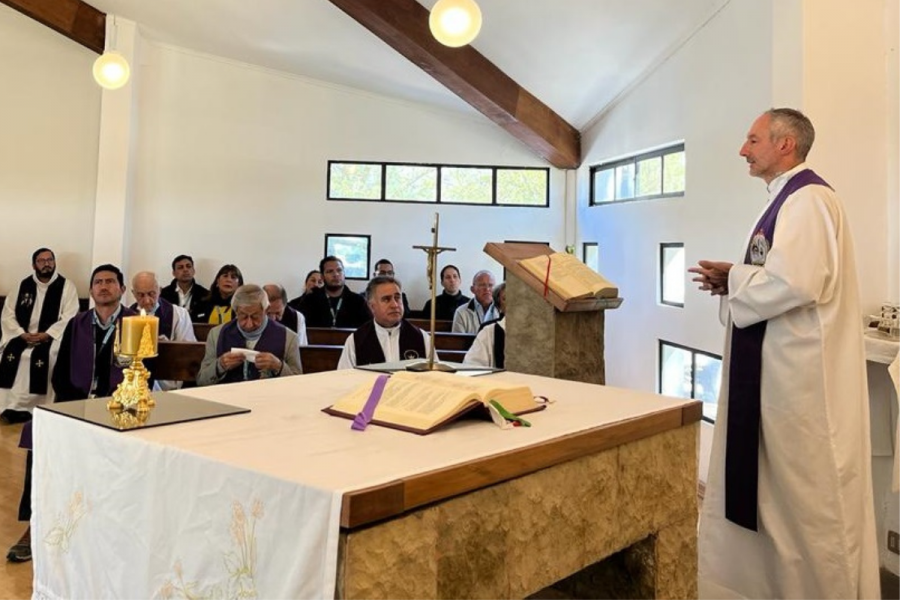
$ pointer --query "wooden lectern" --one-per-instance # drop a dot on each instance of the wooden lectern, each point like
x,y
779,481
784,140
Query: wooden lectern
x,y
545,334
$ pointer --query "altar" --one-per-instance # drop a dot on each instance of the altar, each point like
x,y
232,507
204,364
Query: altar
x,y
288,502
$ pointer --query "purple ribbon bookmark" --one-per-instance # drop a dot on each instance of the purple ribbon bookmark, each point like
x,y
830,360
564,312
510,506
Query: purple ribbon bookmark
x,y
361,421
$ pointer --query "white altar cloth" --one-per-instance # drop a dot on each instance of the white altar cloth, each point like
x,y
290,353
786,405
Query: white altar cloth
x,y
250,504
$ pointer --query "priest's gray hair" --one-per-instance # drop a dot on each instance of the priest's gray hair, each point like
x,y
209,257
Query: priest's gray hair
x,y
380,280
250,294
792,122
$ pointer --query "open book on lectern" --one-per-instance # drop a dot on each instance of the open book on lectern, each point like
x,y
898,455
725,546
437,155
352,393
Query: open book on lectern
x,y
568,277
422,402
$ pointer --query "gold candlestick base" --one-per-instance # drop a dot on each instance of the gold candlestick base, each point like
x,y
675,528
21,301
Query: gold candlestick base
x,y
134,392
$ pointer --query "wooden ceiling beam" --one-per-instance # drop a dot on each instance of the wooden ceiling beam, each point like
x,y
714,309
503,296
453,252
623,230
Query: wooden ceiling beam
x,y
403,25
74,19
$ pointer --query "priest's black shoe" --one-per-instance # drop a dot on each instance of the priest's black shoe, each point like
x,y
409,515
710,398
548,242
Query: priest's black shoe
x,y
13,417
21,550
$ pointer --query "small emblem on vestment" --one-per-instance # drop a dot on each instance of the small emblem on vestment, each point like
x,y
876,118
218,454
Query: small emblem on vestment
x,y
759,248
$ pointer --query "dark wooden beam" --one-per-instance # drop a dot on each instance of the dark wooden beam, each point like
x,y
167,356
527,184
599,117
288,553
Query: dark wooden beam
x,y
74,19
403,25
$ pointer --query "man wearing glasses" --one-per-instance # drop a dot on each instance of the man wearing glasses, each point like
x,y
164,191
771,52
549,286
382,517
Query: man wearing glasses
x,y
480,309
33,320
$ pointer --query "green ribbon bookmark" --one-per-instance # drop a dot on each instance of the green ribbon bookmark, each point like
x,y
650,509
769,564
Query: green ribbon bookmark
x,y
508,415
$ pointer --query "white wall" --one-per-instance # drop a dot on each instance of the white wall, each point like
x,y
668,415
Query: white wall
x,y
232,163
49,114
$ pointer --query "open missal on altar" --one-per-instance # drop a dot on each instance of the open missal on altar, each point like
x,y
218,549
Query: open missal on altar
x,y
422,402
569,277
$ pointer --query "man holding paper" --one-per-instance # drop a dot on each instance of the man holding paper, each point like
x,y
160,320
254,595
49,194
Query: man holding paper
x,y
388,337
250,347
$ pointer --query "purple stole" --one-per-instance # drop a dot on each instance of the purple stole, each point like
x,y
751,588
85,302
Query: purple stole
x,y
83,352
272,340
745,378
40,355
369,352
166,315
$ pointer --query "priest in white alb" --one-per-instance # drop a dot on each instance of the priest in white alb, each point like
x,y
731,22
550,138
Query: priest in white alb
x,y
33,320
789,508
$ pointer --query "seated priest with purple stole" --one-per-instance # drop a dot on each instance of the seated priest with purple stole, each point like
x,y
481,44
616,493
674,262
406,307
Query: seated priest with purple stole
x,y
251,346
388,337
174,321
85,366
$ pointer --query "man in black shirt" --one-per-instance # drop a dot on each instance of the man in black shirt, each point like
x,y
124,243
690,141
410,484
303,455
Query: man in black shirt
x,y
334,305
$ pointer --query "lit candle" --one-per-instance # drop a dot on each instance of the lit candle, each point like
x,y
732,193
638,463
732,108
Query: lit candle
x,y
133,331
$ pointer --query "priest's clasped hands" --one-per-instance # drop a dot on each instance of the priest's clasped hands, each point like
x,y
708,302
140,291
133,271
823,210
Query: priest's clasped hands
x,y
712,276
33,339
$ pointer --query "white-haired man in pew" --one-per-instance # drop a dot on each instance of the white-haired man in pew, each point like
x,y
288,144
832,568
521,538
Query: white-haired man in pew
x,y
174,322
250,347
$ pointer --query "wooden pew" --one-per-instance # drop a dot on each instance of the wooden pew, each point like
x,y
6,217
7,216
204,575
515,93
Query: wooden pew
x,y
180,361
201,331
426,324
336,337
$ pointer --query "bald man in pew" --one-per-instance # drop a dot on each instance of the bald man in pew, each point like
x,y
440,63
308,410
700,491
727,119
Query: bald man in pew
x,y
251,346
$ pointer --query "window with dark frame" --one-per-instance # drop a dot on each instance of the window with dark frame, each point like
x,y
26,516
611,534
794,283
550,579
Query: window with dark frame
x,y
441,184
590,255
671,274
646,176
545,244
686,372
354,250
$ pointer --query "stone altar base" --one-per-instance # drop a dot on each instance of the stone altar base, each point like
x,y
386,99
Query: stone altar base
x,y
515,538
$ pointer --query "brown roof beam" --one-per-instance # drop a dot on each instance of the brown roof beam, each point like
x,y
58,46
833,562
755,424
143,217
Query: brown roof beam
x,y
403,25
74,19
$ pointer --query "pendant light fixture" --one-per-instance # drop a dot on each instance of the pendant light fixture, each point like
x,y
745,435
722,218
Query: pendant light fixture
x,y
455,23
111,70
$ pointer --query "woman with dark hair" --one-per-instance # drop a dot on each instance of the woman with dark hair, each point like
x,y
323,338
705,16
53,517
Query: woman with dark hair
x,y
312,282
215,308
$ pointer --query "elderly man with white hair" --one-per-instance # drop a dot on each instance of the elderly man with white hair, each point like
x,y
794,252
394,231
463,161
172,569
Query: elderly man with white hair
x,y
251,346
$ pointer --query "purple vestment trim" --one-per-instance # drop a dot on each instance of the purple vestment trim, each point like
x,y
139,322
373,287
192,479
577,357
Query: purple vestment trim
x,y
362,420
744,382
272,340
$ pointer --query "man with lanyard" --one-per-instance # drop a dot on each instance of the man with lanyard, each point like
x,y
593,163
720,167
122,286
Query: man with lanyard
x,y
251,346
334,305
788,510
388,337
470,316
184,288
33,319
174,322
282,313
85,368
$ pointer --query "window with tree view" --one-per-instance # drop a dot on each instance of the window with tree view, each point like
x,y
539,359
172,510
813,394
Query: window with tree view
x,y
353,250
656,174
688,373
443,184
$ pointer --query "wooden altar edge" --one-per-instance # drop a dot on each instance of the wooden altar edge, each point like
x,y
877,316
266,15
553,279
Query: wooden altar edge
x,y
376,503
509,255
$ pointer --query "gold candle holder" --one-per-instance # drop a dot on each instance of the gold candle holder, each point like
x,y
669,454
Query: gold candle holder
x,y
135,341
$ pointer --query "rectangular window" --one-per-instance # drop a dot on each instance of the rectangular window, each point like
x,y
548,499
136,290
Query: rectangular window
x,y
591,255
442,184
656,174
671,274
353,250
688,373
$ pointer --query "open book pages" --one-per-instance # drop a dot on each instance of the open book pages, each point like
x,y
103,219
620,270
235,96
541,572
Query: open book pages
x,y
423,401
569,277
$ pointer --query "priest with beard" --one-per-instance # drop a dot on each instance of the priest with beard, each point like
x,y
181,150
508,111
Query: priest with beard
x,y
334,305
33,319
251,346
